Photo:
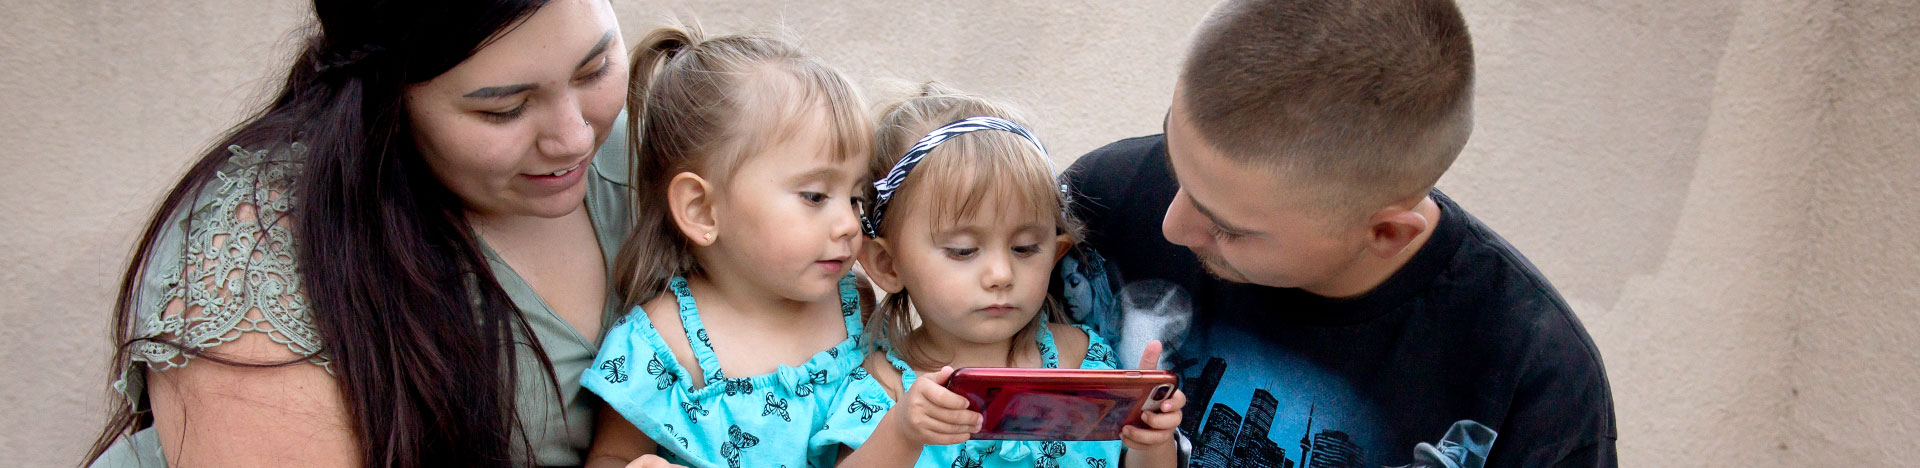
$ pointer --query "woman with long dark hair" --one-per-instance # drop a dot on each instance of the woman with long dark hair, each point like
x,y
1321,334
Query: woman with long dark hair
x,y
400,261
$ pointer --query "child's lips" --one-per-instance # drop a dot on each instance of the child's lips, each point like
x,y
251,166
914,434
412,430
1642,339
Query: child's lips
x,y
999,309
832,265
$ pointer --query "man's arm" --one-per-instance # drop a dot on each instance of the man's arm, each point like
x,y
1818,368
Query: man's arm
x,y
1562,410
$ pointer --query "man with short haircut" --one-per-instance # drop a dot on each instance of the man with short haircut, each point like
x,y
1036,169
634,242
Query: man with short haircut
x,y
1323,303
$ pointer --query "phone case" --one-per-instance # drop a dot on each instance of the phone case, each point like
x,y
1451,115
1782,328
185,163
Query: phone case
x,y
1059,404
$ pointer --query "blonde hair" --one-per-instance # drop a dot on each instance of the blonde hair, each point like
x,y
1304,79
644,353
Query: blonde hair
x,y
954,182
703,105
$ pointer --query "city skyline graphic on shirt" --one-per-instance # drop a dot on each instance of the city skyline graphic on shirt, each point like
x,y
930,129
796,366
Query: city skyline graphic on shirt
x,y
1258,434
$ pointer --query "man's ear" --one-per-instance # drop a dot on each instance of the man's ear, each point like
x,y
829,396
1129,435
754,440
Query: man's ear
x,y
877,259
1061,243
691,200
1392,229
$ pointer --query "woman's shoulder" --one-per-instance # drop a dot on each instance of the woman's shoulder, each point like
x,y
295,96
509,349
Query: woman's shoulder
x,y
221,277
612,161
609,198
233,245
245,181
250,194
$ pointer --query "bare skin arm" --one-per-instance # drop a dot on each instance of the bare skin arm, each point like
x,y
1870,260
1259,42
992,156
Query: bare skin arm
x,y
617,444
209,414
927,414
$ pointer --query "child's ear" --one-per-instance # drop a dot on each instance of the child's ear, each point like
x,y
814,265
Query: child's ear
x,y
1061,243
877,259
690,199
1392,229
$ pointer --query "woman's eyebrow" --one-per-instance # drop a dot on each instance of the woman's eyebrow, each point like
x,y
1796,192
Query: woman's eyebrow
x,y
605,38
492,92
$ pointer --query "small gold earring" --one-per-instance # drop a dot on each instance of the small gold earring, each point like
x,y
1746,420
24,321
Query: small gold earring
x,y
709,236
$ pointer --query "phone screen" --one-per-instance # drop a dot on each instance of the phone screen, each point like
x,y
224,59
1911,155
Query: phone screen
x,y
1059,404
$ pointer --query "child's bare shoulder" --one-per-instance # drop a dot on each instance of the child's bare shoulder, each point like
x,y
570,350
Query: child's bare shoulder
x,y
663,312
1071,342
883,373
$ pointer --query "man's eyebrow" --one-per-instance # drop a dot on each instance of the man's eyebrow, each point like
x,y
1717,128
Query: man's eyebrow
x,y
1211,217
492,92
1215,219
1229,228
605,38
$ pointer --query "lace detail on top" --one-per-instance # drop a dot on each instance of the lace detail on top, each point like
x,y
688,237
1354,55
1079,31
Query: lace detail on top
x,y
235,274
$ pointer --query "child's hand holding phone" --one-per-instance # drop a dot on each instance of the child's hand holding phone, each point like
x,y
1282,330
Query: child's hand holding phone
x,y
1155,441
936,415
651,461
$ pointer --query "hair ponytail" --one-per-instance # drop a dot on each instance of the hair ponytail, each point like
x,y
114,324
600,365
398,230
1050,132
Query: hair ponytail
x,y
640,274
659,46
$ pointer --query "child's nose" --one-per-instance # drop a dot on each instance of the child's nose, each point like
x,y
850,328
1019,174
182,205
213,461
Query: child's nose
x,y
845,224
999,274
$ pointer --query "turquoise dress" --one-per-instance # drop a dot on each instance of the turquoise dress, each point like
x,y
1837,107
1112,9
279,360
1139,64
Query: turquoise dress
x,y
866,401
769,420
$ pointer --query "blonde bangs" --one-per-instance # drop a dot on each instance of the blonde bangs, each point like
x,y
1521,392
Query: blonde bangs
x,y
847,117
793,93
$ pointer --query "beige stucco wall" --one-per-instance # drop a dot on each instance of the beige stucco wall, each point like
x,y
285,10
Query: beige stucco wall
x,y
1721,188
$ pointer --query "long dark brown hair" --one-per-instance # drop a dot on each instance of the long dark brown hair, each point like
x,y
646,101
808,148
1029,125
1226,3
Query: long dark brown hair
x,y
419,335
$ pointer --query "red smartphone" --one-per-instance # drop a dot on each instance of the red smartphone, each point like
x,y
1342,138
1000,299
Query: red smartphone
x,y
1059,404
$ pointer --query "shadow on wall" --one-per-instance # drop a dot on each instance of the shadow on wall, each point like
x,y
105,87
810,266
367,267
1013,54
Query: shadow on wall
x,y
1586,137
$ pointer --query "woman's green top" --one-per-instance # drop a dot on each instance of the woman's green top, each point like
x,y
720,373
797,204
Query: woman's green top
x,y
223,268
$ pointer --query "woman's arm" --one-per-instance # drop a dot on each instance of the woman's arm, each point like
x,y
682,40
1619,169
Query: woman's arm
x,y
239,301
211,415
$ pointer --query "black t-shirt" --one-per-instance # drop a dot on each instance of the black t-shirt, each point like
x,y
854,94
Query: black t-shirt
x,y
1466,346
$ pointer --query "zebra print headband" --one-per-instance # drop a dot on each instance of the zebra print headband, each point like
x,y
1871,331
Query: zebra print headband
x,y
898,175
